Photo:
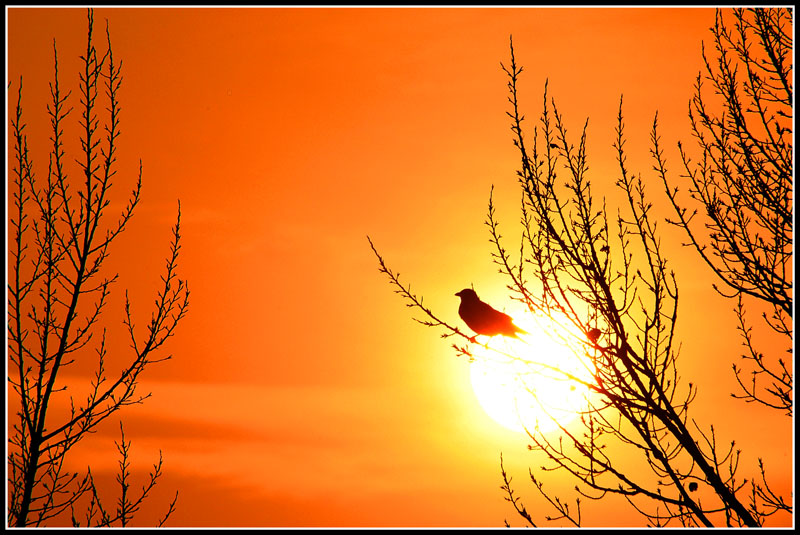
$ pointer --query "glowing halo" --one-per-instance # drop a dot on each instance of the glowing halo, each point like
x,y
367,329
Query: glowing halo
x,y
525,384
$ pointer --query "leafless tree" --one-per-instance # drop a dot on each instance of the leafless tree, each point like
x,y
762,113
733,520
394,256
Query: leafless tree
x,y
58,289
606,278
127,504
742,183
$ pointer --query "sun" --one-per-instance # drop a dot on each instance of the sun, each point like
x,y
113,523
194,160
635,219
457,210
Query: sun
x,y
525,384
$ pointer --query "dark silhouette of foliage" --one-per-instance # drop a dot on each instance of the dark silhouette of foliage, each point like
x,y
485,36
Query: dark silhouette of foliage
x,y
607,278
57,291
741,184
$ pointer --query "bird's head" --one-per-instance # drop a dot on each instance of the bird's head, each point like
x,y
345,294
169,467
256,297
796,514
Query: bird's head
x,y
467,293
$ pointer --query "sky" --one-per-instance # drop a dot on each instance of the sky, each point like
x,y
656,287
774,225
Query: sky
x,y
300,391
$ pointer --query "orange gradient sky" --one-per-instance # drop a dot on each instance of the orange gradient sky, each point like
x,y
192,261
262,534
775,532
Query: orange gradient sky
x,y
300,392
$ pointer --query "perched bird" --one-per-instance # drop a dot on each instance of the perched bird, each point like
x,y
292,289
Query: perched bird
x,y
594,334
482,318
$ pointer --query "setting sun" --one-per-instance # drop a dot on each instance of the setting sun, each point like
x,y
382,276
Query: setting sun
x,y
532,383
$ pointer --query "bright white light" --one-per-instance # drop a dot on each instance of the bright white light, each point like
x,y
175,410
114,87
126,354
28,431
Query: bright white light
x,y
525,383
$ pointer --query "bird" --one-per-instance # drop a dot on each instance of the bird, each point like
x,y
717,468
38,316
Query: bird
x,y
483,319
594,334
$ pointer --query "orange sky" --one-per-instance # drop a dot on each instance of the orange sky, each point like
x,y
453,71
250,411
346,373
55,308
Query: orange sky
x,y
301,393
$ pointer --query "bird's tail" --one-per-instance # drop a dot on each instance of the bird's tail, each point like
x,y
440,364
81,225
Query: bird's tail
x,y
517,330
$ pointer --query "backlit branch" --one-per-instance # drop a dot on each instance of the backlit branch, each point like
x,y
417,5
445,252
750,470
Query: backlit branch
x,y
739,213
607,279
58,290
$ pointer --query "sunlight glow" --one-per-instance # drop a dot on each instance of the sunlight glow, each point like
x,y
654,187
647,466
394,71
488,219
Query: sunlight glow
x,y
526,383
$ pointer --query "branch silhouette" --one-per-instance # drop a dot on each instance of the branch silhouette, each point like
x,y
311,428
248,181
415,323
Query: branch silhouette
x,y
607,277
741,186
58,289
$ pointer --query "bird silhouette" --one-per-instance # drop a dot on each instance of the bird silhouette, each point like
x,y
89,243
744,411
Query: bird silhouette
x,y
483,319
594,334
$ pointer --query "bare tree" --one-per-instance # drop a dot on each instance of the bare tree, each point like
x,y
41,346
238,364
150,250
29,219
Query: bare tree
x,y
127,505
742,182
607,279
57,291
